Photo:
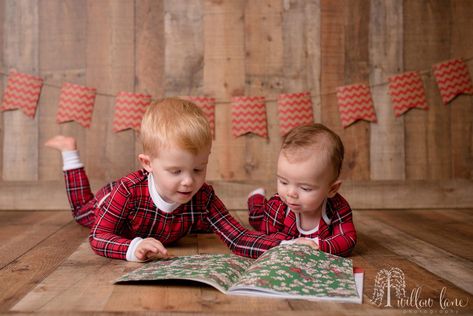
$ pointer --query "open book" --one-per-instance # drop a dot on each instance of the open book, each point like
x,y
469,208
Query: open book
x,y
286,271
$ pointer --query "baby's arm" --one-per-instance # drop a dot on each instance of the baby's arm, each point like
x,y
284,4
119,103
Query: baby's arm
x,y
266,216
343,237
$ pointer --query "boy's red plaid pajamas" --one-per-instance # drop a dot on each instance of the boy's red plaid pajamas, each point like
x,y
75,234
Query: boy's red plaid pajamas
x,y
337,236
126,211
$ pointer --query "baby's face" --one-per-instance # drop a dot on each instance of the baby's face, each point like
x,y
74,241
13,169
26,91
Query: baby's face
x,y
304,181
179,174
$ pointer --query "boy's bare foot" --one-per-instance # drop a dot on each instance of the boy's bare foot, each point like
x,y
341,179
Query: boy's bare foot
x,y
62,143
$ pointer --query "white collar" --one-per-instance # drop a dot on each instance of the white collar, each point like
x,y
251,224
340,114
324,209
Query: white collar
x,y
158,201
316,228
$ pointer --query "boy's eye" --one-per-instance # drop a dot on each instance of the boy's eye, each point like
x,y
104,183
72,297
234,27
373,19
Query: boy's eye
x,y
283,182
198,170
306,189
175,172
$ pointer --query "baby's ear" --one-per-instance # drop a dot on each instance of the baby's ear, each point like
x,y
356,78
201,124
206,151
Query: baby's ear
x,y
334,187
145,161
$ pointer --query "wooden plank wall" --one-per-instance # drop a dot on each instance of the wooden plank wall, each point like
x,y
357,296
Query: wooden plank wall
x,y
232,48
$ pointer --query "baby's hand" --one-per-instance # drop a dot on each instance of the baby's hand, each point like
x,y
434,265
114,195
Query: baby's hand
x,y
306,241
150,248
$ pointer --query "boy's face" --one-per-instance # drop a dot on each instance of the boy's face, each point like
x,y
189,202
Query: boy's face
x,y
178,174
305,181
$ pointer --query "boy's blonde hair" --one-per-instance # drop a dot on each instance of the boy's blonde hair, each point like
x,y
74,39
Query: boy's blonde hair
x,y
316,137
175,121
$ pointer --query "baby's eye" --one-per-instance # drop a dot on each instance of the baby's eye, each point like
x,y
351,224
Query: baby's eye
x,y
175,172
198,170
283,182
306,189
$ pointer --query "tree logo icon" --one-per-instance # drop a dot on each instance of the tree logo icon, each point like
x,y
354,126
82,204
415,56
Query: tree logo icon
x,y
388,279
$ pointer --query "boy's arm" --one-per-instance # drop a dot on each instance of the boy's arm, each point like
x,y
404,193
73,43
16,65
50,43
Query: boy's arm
x,y
110,218
266,216
240,240
343,238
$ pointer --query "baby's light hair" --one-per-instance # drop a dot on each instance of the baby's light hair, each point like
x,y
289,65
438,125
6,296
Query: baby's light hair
x,y
315,137
174,121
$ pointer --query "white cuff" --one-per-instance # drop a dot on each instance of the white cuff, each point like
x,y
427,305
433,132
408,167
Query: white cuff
x,y
288,242
71,160
130,253
292,241
260,191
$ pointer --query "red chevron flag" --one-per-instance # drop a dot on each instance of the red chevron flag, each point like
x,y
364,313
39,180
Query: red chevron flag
x,y
295,109
453,79
407,92
22,92
249,116
76,103
207,105
355,103
129,110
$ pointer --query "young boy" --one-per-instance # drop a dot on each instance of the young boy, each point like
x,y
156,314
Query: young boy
x,y
136,216
307,204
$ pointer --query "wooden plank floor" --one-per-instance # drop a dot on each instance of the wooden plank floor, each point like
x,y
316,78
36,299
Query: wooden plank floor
x,y
47,267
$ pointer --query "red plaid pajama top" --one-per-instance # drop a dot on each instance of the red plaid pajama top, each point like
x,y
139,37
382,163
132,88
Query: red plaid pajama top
x,y
126,211
337,236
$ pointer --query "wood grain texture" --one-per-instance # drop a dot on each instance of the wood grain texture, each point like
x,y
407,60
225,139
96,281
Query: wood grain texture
x,y
344,57
83,281
264,49
387,157
62,58
383,194
301,47
149,53
3,81
21,44
110,69
356,138
461,120
427,135
183,67
224,77
25,272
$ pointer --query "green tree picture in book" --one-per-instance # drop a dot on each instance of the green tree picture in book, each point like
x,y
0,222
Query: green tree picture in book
x,y
287,271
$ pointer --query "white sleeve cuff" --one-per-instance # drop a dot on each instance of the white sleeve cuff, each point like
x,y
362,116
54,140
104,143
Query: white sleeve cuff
x,y
288,242
71,160
260,191
292,241
130,254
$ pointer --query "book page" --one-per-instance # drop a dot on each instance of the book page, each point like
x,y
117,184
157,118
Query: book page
x,y
217,270
298,271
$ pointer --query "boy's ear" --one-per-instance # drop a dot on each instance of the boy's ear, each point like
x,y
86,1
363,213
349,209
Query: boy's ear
x,y
145,161
334,187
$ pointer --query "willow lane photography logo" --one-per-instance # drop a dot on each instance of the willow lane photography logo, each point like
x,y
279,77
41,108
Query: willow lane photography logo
x,y
388,279
391,283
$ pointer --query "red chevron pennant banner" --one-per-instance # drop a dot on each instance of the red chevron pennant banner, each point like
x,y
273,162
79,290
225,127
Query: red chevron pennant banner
x,y
249,116
76,103
295,109
453,79
407,92
129,110
207,105
22,92
355,103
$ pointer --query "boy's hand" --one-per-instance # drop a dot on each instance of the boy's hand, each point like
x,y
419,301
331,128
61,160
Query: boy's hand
x,y
306,241
150,248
